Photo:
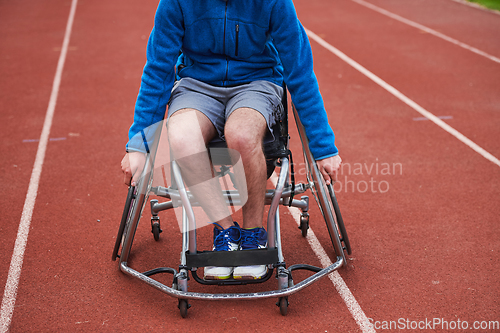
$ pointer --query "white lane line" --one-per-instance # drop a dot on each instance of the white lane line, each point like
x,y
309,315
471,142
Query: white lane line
x,y
339,283
404,99
16,263
440,117
38,140
426,29
335,277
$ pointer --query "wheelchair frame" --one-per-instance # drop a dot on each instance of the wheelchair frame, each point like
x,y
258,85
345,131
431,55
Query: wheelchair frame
x,y
191,258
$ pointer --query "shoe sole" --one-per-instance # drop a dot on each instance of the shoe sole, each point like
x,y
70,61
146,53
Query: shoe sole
x,y
250,277
217,277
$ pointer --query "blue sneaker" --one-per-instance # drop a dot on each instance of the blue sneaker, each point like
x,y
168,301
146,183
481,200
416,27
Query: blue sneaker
x,y
224,240
251,239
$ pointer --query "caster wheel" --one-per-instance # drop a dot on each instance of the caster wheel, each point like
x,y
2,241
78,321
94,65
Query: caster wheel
x,y
183,307
304,224
283,304
155,229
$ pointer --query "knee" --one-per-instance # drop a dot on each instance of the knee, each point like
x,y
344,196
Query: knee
x,y
177,142
188,132
245,130
244,141
183,143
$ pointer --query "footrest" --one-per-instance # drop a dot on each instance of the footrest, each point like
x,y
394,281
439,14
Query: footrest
x,y
232,258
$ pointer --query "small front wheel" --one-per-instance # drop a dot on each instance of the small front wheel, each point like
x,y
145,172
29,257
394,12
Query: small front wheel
x,y
155,229
304,224
283,304
183,307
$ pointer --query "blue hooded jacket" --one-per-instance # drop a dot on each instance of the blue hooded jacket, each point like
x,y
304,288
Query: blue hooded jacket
x,y
225,43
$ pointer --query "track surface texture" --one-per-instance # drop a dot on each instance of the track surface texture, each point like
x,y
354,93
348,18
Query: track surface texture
x,y
421,207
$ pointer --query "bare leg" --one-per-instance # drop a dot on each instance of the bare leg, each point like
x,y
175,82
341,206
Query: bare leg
x,y
188,133
244,132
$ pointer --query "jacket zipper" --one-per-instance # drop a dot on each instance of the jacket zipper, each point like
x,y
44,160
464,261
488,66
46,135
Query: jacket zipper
x,y
224,44
237,37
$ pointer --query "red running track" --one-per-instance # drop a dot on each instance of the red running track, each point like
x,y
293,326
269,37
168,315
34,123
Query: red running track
x,y
420,206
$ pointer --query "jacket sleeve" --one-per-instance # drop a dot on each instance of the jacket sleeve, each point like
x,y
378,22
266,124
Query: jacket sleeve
x,y
292,43
158,75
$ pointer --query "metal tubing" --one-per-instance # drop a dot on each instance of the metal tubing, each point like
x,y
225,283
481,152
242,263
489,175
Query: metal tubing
x,y
161,206
185,238
278,235
190,226
206,296
271,229
233,194
302,204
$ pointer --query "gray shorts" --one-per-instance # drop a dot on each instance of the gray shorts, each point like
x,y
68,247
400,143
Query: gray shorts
x,y
217,103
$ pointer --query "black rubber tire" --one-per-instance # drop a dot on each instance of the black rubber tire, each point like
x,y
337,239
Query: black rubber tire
x,y
304,226
283,304
340,222
140,197
324,201
126,211
183,307
155,229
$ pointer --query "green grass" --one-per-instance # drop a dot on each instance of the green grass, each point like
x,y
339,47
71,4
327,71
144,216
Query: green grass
x,y
491,4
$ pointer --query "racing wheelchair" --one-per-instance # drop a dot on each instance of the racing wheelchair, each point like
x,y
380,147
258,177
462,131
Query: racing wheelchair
x,y
176,195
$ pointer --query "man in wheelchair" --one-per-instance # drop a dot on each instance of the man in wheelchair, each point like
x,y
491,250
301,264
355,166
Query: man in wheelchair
x,y
220,66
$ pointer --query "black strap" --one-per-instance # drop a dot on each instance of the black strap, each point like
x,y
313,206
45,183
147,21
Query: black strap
x,y
292,176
